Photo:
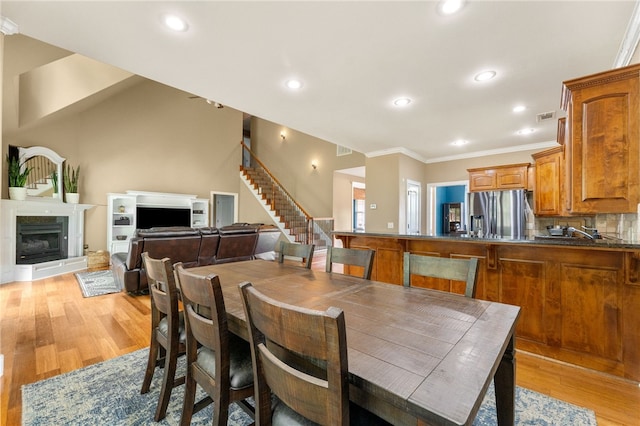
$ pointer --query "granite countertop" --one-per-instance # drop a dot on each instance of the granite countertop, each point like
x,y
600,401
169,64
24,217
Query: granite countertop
x,y
540,240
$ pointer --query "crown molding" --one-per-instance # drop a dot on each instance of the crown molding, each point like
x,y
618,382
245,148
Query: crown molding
x,y
409,153
7,26
630,40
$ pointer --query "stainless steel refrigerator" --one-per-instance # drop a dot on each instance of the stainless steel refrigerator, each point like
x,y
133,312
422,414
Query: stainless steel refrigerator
x,y
498,214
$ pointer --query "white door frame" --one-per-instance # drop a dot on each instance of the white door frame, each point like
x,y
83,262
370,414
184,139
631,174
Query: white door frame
x,y
417,185
212,205
431,203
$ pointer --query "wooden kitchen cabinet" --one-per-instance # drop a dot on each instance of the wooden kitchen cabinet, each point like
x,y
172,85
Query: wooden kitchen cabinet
x,y
549,182
603,142
510,176
579,303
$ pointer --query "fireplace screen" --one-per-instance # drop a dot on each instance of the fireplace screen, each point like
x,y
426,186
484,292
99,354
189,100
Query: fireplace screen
x,y
41,239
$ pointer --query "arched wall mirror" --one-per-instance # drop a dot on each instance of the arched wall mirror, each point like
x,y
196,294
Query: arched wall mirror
x,y
43,163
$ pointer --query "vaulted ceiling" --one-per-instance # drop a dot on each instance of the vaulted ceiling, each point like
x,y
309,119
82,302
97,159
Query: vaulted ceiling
x,y
355,58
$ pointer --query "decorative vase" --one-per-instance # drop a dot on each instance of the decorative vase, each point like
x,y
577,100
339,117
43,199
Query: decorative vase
x,y
18,193
72,197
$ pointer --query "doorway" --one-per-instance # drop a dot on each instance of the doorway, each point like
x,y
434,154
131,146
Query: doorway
x,y
441,193
414,190
357,215
224,208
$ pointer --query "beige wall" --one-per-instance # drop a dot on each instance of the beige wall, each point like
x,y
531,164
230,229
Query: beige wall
x,y
382,190
148,138
290,161
387,179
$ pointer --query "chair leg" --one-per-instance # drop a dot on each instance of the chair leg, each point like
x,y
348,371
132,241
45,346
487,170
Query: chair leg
x,y
151,365
220,407
189,399
168,382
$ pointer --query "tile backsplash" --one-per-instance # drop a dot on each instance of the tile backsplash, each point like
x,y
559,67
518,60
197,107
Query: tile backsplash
x,y
623,226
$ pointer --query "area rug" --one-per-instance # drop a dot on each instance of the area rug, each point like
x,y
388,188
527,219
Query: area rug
x,y
97,283
108,393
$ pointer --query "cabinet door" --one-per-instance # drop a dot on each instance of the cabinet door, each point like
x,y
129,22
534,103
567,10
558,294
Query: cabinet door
x,y
548,175
605,150
511,177
482,180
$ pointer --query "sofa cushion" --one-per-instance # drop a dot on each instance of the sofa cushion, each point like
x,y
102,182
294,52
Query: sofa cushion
x,y
169,231
237,242
208,246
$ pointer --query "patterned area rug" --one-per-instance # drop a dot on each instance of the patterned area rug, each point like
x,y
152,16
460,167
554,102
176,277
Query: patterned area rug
x,y
108,393
97,283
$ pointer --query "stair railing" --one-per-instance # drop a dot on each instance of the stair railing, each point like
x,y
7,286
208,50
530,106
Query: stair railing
x,y
41,169
298,220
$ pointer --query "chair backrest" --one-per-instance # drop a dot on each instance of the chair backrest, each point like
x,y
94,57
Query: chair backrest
x,y
302,251
162,285
313,335
354,257
465,270
205,318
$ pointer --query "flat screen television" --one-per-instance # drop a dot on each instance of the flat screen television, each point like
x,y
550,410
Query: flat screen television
x,y
150,217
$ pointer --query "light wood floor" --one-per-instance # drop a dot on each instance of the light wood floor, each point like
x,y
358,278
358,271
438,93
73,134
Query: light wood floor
x,y
48,328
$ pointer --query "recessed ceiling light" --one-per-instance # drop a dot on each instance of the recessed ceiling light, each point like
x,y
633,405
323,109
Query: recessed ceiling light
x,y
460,142
449,7
519,108
401,102
484,76
175,23
294,84
525,131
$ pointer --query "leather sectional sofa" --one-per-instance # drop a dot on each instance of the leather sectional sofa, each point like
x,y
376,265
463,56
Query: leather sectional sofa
x,y
192,247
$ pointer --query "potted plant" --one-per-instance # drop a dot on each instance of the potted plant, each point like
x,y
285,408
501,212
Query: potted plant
x,y
70,180
54,183
18,175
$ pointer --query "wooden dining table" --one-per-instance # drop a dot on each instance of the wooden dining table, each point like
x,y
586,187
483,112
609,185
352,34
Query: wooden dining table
x,y
416,356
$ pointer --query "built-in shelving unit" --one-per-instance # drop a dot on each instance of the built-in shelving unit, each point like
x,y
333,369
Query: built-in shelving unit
x,y
123,220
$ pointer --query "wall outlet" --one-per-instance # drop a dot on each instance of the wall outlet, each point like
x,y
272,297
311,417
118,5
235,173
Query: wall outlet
x,y
390,225
373,207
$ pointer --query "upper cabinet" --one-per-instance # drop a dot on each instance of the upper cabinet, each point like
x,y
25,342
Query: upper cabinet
x,y
602,142
549,175
511,176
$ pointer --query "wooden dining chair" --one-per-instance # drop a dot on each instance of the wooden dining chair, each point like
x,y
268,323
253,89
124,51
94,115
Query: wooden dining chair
x,y
300,358
351,257
303,252
464,270
167,330
217,360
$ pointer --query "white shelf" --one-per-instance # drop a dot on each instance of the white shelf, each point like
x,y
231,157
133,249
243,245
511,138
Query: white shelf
x,y
125,205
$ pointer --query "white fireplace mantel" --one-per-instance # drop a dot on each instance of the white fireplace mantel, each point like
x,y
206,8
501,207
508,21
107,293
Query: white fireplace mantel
x,y
11,209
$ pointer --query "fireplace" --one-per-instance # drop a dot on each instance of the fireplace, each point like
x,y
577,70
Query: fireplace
x,y
41,210
41,239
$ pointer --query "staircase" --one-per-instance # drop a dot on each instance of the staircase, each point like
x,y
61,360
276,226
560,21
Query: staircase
x,y
39,182
289,216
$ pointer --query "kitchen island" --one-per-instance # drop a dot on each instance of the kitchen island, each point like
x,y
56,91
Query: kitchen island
x,y
580,299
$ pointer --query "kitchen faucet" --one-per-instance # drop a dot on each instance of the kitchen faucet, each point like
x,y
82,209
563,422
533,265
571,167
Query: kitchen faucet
x,y
571,230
